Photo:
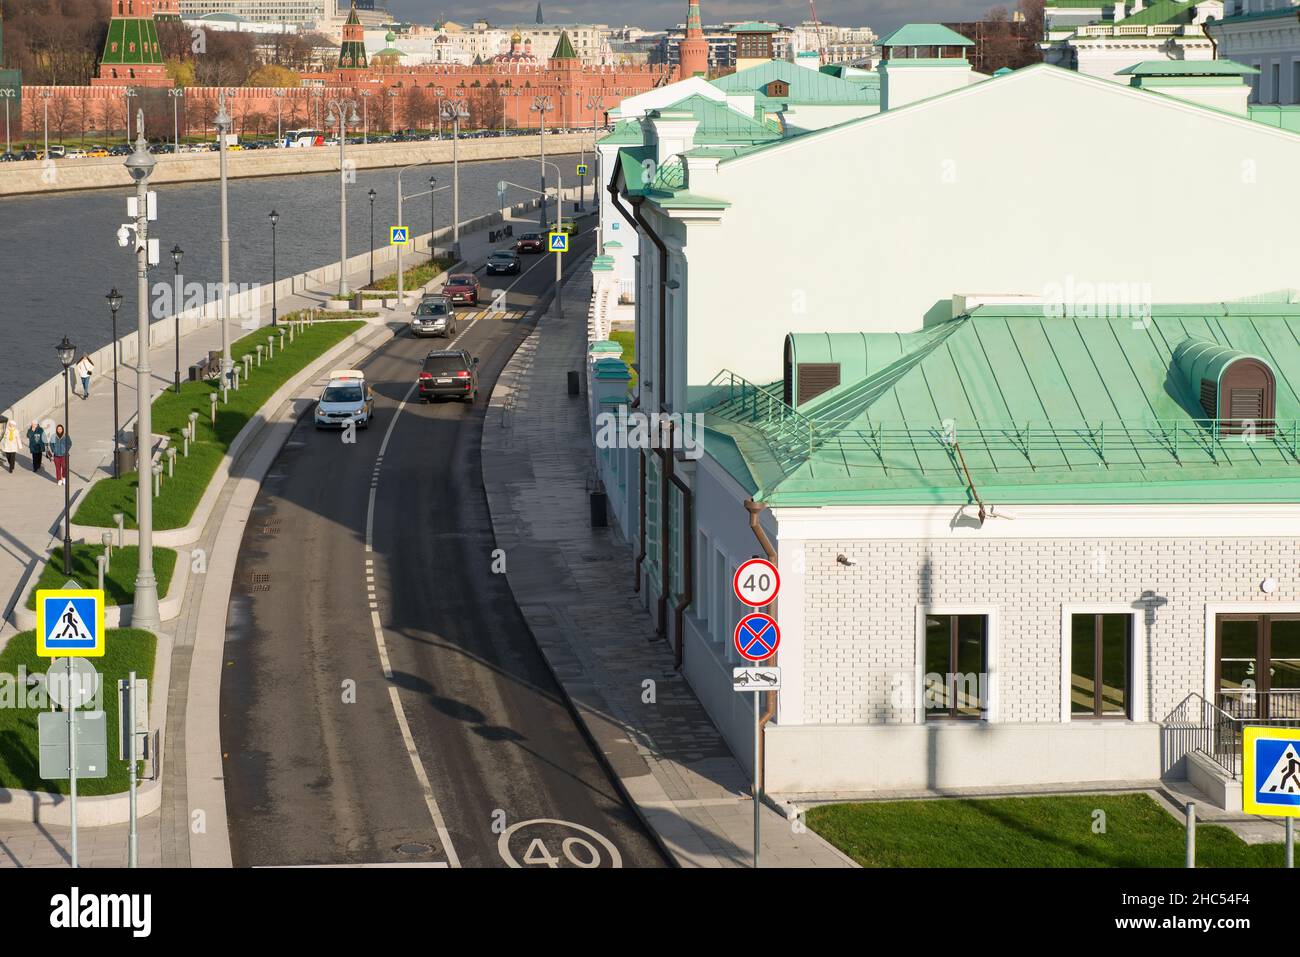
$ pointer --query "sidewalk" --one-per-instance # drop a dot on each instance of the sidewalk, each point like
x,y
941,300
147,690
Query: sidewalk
x,y
31,507
574,586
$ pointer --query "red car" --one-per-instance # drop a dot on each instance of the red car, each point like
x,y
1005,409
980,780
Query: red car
x,y
529,243
462,287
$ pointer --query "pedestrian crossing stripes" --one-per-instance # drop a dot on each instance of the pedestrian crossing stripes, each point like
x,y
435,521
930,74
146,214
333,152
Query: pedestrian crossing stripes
x,y
506,315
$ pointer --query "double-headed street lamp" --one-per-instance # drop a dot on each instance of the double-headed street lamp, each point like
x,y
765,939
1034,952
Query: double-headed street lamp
x,y
7,94
595,103
274,217
371,196
145,608
45,96
541,106
339,111
177,254
67,352
365,115
279,113
222,123
115,303
175,94
455,111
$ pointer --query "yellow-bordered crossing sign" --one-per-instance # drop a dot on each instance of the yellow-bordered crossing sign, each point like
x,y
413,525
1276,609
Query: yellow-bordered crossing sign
x,y
1270,771
582,169
559,242
399,235
70,622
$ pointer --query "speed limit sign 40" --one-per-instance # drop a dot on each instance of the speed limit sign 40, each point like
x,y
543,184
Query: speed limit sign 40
x,y
756,582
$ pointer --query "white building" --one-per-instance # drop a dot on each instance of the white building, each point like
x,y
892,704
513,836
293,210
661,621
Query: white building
x,y
1264,34
1102,39
261,11
969,421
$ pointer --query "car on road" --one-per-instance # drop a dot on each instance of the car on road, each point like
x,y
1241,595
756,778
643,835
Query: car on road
x,y
449,372
75,154
120,150
58,152
434,316
503,261
529,243
29,155
346,400
9,158
567,226
461,287
96,152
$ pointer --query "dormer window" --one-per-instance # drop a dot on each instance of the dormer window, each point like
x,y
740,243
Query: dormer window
x,y
1244,397
778,88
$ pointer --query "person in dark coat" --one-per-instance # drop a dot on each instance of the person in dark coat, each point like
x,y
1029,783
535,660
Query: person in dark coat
x,y
36,444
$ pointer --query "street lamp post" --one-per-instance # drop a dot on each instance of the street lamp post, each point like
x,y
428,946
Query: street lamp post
x,y
127,93
275,314
365,116
67,352
177,253
222,122
279,113
145,608
371,195
392,100
455,111
595,103
175,94
433,219
45,96
115,303
7,94
339,111
541,106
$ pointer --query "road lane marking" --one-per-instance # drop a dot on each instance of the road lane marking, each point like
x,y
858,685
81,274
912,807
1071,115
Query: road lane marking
x,y
430,801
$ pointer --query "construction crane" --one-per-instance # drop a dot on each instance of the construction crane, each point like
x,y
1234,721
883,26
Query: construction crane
x,y
817,27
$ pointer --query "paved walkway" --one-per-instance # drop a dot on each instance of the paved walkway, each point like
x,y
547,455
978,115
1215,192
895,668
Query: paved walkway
x,y
573,584
31,507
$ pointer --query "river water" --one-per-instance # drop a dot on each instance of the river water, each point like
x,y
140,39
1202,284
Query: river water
x,y
59,254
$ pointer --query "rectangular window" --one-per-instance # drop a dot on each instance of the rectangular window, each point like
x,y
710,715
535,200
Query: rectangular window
x,y
1295,82
956,666
1100,656
1275,76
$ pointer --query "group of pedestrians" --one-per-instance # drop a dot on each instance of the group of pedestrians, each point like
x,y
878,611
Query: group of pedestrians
x,y
39,445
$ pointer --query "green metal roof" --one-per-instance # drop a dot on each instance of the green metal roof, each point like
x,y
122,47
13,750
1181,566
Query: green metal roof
x,y
1188,68
755,26
131,41
1163,12
624,132
1043,409
564,48
807,87
925,35
1272,114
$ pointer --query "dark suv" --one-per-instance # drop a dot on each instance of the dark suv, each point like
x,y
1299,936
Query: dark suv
x,y
451,372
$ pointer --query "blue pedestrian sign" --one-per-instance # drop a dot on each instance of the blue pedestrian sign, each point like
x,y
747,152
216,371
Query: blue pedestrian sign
x,y
757,637
399,235
70,622
582,169
559,242
1271,771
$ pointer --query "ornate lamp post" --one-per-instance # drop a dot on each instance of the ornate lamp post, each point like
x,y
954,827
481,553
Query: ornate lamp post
x,y
115,303
541,106
371,195
275,314
222,123
177,254
455,111
67,352
175,94
339,111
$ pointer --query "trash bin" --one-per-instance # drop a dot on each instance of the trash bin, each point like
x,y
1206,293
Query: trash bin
x,y
358,302
573,383
125,461
599,511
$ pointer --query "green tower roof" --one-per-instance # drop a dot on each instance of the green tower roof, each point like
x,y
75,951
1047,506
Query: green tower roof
x,y
564,49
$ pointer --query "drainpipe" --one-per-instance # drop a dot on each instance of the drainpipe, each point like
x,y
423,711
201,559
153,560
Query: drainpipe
x,y
687,541
769,708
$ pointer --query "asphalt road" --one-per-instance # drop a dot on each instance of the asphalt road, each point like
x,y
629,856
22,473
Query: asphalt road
x,y
467,755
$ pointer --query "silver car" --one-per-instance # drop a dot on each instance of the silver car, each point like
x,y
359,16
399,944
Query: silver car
x,y
434,316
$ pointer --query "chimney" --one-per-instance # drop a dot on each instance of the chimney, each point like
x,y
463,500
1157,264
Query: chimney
x,y
922,60
1221,84
671,132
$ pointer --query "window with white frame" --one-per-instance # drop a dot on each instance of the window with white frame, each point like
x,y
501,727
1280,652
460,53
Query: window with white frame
x,y
1101,665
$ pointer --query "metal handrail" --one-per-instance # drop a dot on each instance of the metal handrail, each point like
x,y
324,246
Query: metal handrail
x,y
1216,731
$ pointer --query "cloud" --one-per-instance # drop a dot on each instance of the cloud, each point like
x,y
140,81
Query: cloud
x,y
881,15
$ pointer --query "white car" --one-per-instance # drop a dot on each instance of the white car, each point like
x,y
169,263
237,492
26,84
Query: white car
x,y
75,154
346,400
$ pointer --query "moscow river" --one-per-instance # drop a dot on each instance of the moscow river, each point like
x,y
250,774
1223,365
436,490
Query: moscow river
x,y
59,254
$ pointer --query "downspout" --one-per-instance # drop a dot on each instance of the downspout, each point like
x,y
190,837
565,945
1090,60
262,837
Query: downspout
x,y
688,559
769,708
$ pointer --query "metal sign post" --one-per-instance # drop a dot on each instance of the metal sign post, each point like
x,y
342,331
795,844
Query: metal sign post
x,y
72,762
133,842
756,637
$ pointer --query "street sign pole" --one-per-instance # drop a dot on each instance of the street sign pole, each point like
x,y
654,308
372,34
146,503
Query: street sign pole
x,y
133,846
758,797
1290,842
72,761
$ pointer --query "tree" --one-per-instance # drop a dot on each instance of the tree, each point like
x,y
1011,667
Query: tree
x,y
181,72
106,117
486,107
415,107
231,57
269,74
60,115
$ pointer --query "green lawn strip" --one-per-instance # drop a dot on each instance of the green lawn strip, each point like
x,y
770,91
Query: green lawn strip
x,y
181,493
119,583
126,650
415,276
628,341
329,315
1028,832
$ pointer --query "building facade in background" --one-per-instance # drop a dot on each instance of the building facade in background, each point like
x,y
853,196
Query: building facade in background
x,y
1264,34
1103,38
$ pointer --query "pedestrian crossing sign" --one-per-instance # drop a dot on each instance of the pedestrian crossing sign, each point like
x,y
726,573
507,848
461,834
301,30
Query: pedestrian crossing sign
x,y
399,235
559,242
70,622
1271,771
582,169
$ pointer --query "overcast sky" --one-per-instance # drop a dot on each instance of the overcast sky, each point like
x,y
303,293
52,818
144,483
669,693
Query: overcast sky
x,y
880,15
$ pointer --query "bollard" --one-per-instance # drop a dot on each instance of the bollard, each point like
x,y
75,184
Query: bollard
x,y
171,461
234,374
281,340
248,366
102,562
1191,834
194,426
260,350
157,480
225,397
107,539
270,347
185,445
212,399
120,521
291,330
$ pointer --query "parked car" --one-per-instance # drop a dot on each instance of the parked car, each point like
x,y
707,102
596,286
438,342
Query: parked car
x,y
530,243
75,154
58,152
96,152
434,316
503,261
568,226
121,150
346,400
462,287
9,158
452,372
29,155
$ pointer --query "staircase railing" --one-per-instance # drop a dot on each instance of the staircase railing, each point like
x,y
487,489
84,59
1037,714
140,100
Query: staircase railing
x,y
1199,725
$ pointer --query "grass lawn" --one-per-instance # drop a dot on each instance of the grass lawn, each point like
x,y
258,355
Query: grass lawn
x,y
181,494
628,341
127,650
415,277
329,315
119,583
1028,832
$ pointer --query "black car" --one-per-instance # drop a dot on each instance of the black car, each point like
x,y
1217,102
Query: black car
x,y
503,261
452,372
9,158
121,151
28,155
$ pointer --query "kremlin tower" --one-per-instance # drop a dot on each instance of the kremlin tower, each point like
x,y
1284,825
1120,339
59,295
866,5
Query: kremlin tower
x,y
131,50
693,53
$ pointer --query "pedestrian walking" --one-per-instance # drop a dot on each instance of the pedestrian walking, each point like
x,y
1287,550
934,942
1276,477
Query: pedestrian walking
x,y
60,448
85,368
36,444
9,443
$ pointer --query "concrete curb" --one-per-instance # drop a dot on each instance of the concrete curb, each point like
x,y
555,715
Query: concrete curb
x,y
118,616
42,807
204,761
